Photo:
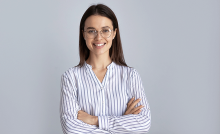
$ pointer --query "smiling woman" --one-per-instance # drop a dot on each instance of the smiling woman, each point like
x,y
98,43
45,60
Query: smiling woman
x,y
98,42
98,95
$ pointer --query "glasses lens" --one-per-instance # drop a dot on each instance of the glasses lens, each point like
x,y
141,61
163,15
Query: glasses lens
x,y
91,33
106,33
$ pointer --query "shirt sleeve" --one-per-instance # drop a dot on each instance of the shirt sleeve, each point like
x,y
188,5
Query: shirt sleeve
x,y
131,123
69,108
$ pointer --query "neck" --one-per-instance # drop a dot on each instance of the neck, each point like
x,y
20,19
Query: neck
x,y
99,62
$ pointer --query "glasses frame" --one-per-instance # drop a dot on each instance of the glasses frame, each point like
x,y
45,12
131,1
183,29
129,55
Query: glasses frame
x,y
100,33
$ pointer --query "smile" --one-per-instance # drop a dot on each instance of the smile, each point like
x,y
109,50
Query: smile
x,y
99,44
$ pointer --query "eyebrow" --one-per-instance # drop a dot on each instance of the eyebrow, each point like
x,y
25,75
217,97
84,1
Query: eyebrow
x,y
94,28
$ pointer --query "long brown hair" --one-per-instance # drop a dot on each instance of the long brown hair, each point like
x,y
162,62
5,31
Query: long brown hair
x,y
115,52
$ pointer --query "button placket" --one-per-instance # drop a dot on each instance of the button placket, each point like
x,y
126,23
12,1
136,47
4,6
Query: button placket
x,y
103,100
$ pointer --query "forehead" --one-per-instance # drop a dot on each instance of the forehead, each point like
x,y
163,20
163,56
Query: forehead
x,y
97,22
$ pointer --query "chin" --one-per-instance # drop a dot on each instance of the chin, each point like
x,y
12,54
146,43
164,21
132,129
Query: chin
x,y
100,52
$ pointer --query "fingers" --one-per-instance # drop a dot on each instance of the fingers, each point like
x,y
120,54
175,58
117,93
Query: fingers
x,y
137,108
130,107
137,112
129,103
80,111
133,104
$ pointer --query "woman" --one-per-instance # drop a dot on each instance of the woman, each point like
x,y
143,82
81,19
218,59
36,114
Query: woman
x,y
96,95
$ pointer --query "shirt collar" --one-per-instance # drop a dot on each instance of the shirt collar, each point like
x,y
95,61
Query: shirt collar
x,y
110,66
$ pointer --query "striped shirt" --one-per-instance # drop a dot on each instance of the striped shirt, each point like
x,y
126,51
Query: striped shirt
x,y
82,90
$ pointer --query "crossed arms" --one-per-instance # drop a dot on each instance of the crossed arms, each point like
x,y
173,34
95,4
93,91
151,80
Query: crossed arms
x,y
74,120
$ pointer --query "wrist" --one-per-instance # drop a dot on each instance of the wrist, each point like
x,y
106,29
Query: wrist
x,y
95,120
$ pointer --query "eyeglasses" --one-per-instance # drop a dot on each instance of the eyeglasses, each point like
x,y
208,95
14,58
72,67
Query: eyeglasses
x,y
92,33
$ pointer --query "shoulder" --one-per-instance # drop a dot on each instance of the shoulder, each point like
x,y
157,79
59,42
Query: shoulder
x,y
129,71
71,72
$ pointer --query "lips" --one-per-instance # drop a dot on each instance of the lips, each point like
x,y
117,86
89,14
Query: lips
x,y
99,44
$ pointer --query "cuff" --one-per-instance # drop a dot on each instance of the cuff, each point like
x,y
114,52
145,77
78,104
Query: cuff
x,y
103,122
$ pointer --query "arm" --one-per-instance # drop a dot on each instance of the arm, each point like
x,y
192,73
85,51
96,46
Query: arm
x,y
131,123
69,109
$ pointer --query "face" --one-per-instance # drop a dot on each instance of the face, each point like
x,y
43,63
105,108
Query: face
x,y
98,45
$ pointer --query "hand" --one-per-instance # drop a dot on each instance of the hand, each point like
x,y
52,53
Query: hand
x,y
130,107
87,118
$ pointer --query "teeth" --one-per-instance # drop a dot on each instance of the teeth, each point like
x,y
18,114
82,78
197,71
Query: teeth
x,y
99,44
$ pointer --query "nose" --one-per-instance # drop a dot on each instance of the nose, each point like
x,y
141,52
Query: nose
x,y
98,36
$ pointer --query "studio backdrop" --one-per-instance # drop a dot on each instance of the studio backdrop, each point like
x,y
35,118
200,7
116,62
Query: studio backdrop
x,y
174,46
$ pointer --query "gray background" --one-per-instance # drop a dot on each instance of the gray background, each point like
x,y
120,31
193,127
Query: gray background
x,y
174,45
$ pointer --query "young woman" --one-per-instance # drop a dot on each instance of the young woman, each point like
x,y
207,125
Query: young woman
x,y
102,94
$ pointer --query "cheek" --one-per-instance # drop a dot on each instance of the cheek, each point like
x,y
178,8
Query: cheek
x,y
88,43
109,41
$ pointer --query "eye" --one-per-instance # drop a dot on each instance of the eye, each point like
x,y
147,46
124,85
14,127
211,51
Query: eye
x,y
92,31
105,30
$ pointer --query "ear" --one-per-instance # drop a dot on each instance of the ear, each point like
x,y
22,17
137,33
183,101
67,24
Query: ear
x,y
114,33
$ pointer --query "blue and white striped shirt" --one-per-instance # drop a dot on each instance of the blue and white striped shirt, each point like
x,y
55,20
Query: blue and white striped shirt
x,y
82,90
